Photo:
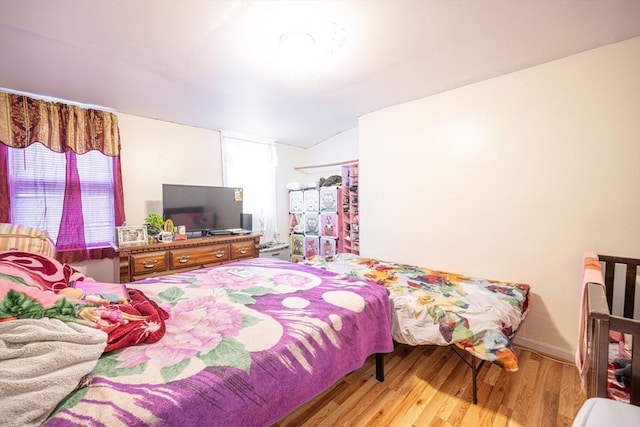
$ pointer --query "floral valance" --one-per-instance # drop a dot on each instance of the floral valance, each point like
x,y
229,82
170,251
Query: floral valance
x,y
25,120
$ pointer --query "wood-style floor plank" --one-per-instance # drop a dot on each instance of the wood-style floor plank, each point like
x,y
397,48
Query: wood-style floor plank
x,y
431,386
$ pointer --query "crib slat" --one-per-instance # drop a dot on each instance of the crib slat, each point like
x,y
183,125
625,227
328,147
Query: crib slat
x,y
599,338
630,291
601,335
609,271
635,371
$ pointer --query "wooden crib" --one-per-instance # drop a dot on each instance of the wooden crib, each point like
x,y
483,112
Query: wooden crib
x,y
599,299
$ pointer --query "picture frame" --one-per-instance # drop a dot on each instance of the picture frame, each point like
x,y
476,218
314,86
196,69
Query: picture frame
x,y
132,236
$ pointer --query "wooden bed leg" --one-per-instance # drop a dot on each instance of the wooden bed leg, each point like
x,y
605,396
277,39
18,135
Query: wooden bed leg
x,y
380,367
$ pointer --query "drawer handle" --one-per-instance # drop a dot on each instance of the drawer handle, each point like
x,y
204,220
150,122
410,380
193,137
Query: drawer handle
x,y
183,259
150,264
219,254
243,250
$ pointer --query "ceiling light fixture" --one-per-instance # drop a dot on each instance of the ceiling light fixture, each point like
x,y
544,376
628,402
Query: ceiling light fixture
x,y
296,43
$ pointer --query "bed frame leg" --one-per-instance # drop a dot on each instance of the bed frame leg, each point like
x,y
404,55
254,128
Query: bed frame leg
x,y
474,373
380,367
475,368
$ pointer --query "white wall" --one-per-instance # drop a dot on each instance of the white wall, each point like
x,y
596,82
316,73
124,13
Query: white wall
x,y
512,178
289,157
342,147
155,153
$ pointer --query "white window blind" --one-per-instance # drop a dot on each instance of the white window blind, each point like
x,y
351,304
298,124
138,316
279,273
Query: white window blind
x,y
37,179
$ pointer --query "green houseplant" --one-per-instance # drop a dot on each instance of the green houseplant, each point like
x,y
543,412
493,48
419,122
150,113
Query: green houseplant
x,y
154,223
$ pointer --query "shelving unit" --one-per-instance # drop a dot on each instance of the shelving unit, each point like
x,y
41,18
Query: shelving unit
x,y
314,222
349,241
325,220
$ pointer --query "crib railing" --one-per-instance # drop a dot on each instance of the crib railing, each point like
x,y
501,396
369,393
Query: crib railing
x,y
601,321
631,274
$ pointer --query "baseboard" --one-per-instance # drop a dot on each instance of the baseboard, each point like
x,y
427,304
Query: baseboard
x,y
545,349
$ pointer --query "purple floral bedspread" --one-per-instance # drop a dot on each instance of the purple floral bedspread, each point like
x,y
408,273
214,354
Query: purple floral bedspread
x,y
246,343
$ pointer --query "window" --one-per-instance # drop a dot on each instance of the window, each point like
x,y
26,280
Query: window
x,y
60,171
38,179
251,163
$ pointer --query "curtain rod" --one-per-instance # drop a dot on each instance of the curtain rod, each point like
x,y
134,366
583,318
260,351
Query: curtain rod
x,y
346,162
58,100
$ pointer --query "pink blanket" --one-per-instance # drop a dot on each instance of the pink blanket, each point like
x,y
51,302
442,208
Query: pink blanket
x,y
30,286
591,273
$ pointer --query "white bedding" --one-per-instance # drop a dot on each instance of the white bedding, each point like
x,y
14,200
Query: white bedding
x,y
599,412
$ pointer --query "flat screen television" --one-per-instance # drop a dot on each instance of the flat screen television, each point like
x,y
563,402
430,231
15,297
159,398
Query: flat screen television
x,y
202,209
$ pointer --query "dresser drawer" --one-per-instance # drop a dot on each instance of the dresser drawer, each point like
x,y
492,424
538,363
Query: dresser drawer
x,y
242,250
149,262
191,257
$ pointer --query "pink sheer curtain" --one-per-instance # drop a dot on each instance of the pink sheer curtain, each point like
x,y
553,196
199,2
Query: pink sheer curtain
x,y
5,203
71,234
64,129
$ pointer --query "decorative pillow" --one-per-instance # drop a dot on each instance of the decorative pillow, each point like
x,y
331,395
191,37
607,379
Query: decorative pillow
x,y
28,239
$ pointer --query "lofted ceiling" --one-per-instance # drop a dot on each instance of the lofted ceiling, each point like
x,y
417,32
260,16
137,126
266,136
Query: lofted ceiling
x,y
220,64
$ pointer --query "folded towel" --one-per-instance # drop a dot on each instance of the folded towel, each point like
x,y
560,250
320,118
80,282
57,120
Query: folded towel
x,y
41,362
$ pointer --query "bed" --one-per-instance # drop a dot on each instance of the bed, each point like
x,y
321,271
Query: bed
x,y
471,315
607,341
241,344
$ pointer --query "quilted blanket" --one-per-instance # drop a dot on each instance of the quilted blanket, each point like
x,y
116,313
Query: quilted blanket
x,y
440,308
245,344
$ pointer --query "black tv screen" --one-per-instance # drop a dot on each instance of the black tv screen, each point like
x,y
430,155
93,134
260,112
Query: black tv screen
x,y
202,208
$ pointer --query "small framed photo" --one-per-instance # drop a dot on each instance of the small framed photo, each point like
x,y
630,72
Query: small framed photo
x,y
132,236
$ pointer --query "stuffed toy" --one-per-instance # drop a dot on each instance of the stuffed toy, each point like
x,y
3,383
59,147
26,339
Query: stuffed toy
x,y
623,373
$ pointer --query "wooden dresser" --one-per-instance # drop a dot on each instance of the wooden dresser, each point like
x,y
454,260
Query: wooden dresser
x,y
140,262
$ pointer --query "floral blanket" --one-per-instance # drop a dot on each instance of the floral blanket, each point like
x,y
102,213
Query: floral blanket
x,y
435,307
245,344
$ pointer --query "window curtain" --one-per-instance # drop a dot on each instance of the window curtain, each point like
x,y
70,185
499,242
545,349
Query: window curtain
x,y
251,164
65,129
5,203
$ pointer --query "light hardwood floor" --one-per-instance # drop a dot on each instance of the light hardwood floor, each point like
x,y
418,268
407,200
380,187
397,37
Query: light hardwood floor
x,y
431,386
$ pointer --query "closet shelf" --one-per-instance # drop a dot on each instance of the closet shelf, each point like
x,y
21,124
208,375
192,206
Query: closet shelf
x,y
324,165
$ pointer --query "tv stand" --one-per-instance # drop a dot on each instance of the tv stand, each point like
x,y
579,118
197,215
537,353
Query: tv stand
x,y
158,259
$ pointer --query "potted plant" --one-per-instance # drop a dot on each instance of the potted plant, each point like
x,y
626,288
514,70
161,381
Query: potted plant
x,y
154,223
